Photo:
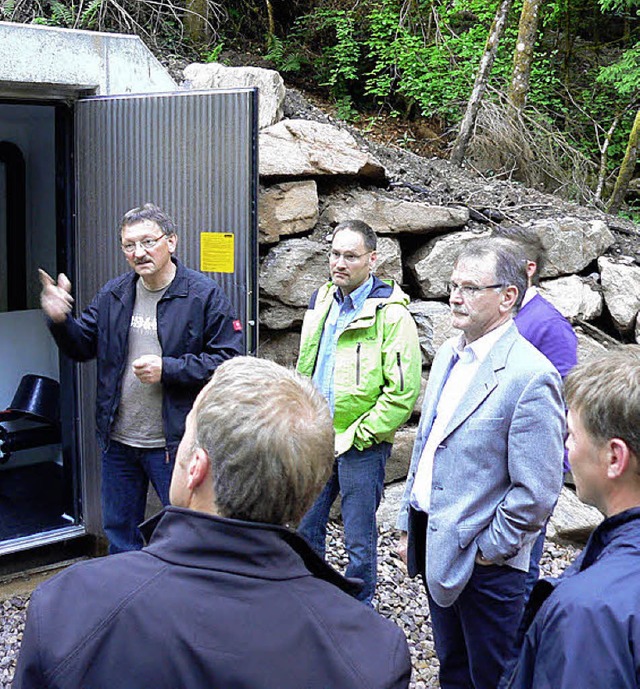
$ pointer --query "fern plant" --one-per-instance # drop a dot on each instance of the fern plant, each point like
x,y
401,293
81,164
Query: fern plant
x,y
7,9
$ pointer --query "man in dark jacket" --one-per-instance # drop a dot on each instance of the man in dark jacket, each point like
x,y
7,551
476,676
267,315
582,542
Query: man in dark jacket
x,y
586,629
158,333
226,594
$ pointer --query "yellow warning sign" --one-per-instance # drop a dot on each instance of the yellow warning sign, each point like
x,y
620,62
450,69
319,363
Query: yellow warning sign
x,y
217,252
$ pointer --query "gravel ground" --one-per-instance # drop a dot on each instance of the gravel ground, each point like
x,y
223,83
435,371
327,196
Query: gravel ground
x,y
398,598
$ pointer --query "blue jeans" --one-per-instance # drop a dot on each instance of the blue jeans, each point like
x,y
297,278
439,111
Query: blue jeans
x,y
358,475
126,472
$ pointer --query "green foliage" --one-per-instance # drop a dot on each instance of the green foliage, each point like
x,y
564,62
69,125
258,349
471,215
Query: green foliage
x,y
342,57
407,57
89,17
62,15
623,75
345,109
619,5
71,14
384,52
214,55
7,9
285,60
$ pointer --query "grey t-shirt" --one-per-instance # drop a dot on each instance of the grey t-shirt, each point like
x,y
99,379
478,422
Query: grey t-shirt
x,y
138,420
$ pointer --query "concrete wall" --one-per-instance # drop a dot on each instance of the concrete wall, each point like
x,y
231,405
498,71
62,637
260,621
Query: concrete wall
x,y
51,61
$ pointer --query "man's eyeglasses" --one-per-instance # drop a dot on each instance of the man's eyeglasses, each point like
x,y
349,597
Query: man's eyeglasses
x,y
470,290
149,243
348,258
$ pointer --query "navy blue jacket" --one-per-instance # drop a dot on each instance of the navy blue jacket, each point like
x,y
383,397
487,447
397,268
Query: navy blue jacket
x,y
196,329
586,631
210,603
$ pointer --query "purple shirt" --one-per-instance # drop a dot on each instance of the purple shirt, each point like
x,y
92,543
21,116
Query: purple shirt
x,y
550,333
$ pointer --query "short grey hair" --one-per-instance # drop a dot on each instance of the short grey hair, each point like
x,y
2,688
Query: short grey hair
x,y
269,436
151,212
605,393
531,243
510,261
365,231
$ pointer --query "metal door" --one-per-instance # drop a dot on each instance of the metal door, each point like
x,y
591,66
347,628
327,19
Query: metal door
x,y
195,155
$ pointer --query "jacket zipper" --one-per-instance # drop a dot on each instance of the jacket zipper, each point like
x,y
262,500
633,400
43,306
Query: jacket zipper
x,y
401,372
358,363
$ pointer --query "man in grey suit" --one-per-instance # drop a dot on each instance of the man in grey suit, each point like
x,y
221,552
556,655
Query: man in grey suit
x,y
486,468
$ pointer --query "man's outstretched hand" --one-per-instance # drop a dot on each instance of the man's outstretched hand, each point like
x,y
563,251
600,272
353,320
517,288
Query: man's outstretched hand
x,y
55,298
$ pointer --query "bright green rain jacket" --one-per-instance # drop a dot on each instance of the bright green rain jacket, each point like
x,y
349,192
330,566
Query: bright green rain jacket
x,y
378,364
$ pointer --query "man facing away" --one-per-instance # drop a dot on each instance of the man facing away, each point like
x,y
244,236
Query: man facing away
x,y
360,345
586,631
537,319
158,332
548,330
486,469
225,594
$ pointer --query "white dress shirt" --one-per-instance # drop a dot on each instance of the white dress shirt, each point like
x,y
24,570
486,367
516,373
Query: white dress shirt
x,y
470,356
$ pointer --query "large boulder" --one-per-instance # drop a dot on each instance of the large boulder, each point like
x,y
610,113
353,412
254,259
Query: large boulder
x,y
389,215
572,520
574,297
302,148
433,319
277,316
293,270
417,407
588,348
389,263
281,347
390,506
621,286
572,243
431,265
269,83
398,463
286,209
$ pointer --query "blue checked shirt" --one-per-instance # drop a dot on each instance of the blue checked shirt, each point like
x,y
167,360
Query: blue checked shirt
x,y
342,312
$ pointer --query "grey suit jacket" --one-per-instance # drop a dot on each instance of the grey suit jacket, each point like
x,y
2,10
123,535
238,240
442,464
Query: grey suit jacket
x,y
498,471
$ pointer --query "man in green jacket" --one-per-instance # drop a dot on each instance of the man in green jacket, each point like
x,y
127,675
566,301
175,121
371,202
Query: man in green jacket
x,y
360,346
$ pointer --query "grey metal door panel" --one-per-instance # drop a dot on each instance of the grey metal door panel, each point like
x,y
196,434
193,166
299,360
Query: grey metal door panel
x,y
195,155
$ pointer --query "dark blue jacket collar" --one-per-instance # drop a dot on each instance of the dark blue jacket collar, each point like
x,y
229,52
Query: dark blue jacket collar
x,y
195,539
617,531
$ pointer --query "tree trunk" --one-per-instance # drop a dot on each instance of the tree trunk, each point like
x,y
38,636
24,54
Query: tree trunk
x,y
271,30
480,86
195,21
626,169
602,172
523,55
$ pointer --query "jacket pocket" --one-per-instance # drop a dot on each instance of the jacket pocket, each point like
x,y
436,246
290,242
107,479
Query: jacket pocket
x,y
400,371
468,533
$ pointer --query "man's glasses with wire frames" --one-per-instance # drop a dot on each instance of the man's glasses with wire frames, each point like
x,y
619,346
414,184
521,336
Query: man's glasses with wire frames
x,y
470,290
149,243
